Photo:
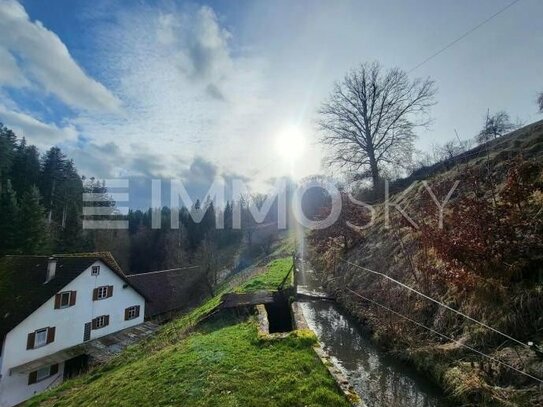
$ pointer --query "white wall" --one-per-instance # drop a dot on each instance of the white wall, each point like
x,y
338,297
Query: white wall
x,y
69,323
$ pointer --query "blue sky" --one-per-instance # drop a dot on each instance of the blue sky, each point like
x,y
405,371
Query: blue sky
x,y
196,90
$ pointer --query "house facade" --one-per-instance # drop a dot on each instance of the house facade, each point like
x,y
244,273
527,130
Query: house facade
x,y
56,306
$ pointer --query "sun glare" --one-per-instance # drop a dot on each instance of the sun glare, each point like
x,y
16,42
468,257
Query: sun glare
x,y
290,143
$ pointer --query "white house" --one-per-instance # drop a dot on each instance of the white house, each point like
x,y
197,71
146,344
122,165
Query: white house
x,y
51,308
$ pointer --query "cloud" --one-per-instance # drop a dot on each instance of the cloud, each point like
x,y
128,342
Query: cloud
x,y
42,134
46,60
148,165
97,160
201,171
110,160
185,92
206,48
10,73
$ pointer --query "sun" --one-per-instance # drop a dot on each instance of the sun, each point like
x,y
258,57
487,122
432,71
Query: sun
x,y
290,143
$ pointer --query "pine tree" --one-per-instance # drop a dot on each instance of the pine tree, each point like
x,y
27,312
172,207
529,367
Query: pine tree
x,y
25,169
7,151
51,178
9,215
32,226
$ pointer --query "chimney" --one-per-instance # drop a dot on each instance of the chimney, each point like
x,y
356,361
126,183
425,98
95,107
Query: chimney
x,y
51,269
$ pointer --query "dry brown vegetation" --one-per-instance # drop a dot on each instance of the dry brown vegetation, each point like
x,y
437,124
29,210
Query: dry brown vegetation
x,y
486,262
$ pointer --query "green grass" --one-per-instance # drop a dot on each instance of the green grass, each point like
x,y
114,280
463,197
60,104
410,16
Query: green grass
x,y
221,362
275,274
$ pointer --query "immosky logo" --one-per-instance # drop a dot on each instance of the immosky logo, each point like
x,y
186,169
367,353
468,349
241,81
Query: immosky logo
x,y
99,213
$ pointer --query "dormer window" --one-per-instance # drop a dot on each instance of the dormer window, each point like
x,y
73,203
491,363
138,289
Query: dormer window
x,y
51,269
95,270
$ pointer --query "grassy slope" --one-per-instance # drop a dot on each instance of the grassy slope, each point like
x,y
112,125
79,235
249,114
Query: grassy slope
x,y
220,362
276,273
456,369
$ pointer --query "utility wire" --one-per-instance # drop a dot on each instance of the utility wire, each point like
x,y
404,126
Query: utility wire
x,y
445,336
438,302
464,35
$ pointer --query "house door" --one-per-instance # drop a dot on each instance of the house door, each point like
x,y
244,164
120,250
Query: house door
x,y
87,332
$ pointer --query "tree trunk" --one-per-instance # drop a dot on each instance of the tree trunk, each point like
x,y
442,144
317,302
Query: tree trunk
x,y
374,172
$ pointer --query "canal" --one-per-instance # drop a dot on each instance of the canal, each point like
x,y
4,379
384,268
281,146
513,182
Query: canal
x,y
378,378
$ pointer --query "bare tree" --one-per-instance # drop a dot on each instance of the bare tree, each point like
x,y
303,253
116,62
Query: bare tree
x,y
207,258
540,102
496,125
369,118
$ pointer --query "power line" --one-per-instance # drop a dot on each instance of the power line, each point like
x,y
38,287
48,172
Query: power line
x,y
438,302
445,336
464,35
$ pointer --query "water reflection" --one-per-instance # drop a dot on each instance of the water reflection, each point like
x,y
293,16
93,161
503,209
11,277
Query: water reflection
x,y
379,379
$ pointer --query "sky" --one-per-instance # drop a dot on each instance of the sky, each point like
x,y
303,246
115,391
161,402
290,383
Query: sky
x,y
199,91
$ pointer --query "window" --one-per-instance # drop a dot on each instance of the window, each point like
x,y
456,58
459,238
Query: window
x,y
102,292
42,373
40,337
95,270
100,322
131,312
65,299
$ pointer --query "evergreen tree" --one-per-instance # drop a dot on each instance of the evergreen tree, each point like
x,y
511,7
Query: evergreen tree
x,y
9,216
52,176
25,170
32,227
7,151
70,192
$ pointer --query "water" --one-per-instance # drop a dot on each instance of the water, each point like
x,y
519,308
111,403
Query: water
x,y
379,379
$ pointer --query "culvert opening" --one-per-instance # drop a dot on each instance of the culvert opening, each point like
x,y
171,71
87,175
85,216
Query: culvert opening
x,y
279,316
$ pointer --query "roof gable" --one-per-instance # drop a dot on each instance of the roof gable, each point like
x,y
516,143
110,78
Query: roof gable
x,y
22,283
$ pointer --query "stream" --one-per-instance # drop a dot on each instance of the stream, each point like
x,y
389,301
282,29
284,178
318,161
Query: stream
x,y
379,379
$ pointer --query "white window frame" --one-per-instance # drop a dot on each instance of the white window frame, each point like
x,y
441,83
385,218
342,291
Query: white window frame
x,y
37,342
102,292
132,312
39,377
67,294
95,270
100,322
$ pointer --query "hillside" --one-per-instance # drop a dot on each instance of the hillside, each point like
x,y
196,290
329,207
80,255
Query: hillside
x,y
216,362
486,262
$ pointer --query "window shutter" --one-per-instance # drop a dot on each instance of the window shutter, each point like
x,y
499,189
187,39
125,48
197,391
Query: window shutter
x,y
54,369
50,334
72,297
94,321
95,294
33,377
30,340
137,311
106,322
109,291
57,301
126,314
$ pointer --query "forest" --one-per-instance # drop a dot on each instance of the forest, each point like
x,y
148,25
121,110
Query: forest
x,y
41,212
